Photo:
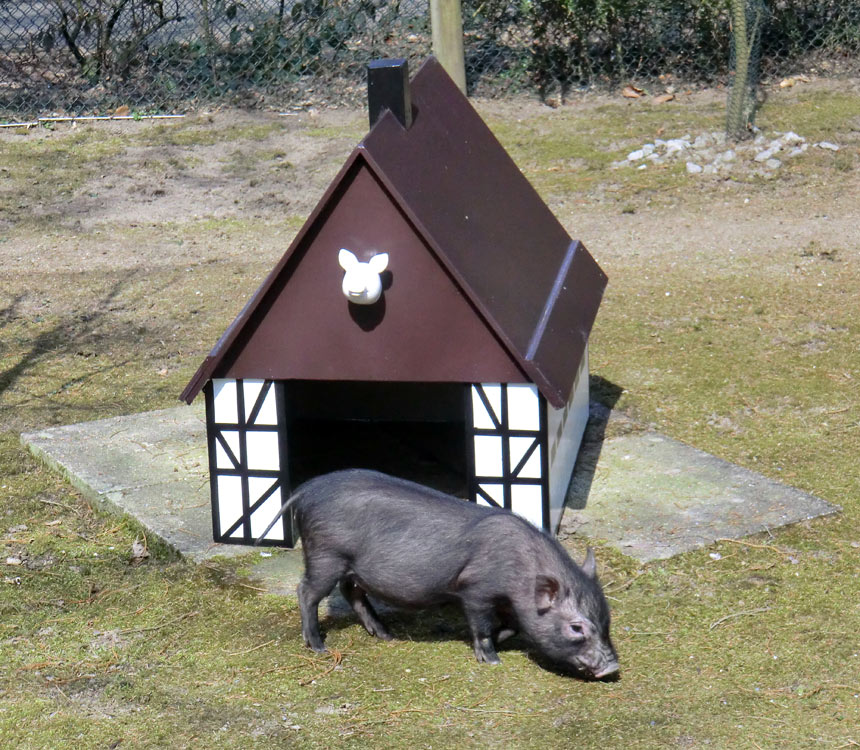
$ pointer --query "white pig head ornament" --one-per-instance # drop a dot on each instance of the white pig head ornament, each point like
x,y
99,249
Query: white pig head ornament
x,y
361,282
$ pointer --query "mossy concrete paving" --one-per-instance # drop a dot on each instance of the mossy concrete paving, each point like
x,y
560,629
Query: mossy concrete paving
x,y
636,490
652,497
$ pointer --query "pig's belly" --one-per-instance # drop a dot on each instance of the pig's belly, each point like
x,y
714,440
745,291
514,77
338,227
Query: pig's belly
x,y
409,587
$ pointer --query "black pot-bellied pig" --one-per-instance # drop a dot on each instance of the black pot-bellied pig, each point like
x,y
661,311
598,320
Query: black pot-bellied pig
x,y
414,547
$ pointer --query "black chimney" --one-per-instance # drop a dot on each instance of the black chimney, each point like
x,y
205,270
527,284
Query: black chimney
x,y
388,88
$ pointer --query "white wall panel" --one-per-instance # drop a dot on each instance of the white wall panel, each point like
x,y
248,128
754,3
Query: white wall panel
x,y
523,407
488,456
229,503
226,409
222,459
262,517
263,450
527,501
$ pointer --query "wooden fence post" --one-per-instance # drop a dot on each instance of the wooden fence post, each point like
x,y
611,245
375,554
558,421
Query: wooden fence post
x,y
447,23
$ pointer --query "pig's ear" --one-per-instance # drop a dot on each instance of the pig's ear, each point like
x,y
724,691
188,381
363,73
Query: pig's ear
x,y
546,592
378,262
346,259
589,565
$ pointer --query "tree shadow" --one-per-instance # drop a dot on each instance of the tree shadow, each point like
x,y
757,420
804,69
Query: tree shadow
x,y
83,333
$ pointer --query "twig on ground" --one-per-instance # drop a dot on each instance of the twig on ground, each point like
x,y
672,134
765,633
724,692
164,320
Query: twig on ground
x,y
505,712
737,614
163,625
336,659
255,648
627,584
755,546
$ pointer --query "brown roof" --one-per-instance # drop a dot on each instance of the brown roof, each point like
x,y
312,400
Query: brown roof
x,y
485,284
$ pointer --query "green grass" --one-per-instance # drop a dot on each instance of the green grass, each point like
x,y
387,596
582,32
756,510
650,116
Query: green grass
x,y
39,170
752,356
201,131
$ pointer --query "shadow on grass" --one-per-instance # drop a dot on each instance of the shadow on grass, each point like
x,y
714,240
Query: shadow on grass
x,y
60,338
435,625
84,342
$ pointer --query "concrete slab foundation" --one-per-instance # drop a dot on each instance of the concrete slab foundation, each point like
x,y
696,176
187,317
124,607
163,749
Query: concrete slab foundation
x,y
649,496
652,497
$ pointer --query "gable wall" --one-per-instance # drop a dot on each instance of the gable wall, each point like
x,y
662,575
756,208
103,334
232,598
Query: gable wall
x,y
422,330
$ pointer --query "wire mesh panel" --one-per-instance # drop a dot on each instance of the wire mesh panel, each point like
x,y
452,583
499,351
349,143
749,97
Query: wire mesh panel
x,y
77,56
94,56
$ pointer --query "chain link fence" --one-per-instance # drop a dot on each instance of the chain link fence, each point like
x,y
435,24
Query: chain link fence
x,y
160,56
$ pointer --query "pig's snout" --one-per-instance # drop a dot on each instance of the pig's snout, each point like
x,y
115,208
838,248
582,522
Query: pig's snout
x,y
607,671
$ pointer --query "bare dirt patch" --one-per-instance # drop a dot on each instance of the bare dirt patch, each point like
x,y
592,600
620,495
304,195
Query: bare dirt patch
x,y
133,244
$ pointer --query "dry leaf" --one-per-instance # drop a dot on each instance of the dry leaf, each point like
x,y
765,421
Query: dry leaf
x,y
663,98
122,111
789,82
139,552
631,92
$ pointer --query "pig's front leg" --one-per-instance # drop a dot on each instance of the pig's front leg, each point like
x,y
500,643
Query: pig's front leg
x,y
481,620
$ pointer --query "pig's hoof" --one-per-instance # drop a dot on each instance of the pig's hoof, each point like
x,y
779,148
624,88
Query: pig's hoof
x,y
486,654
318,647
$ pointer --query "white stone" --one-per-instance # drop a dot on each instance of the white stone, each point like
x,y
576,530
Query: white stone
x,y
648,149
729,155
702,141
764,155
792,137
709,169
827,145
674,145
636,155
773,163
693,168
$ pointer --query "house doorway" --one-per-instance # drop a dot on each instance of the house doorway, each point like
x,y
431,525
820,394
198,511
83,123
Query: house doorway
x,y
416,431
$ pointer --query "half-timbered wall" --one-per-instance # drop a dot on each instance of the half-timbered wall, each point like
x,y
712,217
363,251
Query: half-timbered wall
x,y
509,449
247,460
523,450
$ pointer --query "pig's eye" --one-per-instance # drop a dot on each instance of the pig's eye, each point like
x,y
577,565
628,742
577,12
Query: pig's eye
x,y
577,631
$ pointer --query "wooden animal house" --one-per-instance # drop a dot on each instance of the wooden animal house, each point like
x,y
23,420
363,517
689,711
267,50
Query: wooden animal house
x,y
430,319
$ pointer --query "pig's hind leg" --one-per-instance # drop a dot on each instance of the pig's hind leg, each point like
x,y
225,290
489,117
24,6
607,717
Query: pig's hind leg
x,y
357,598
321,575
